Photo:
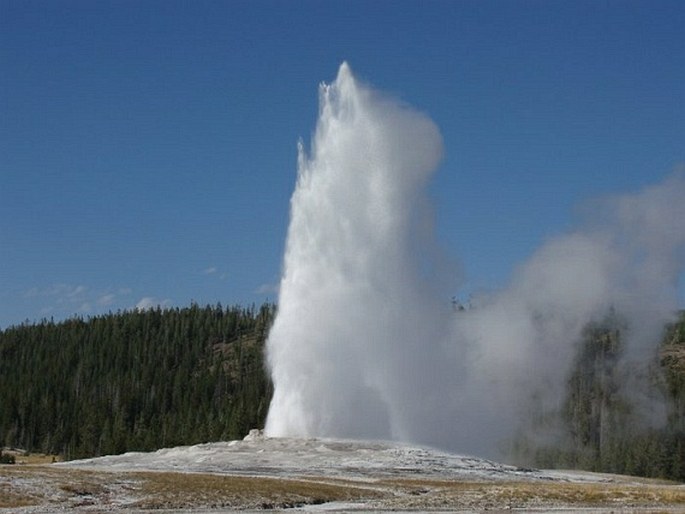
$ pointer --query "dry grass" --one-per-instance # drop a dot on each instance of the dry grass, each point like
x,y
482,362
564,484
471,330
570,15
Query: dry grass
x,y
517,495
44,485
522,495
183,490
12,495
22,486
12,500
55,489
23,457
38,458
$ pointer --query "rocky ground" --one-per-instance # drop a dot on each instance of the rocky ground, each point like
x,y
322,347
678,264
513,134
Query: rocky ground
x,y
318,475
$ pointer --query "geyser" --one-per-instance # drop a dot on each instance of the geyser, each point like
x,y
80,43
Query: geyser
x,y
365,343
349,346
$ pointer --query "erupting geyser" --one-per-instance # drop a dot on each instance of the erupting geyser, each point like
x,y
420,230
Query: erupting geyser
x,y
347,347
365,343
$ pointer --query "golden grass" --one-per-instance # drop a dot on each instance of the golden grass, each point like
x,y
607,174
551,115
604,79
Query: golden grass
x,y
540,494
12,496
182,490
10,499
41,485
67,488
32,458
38,458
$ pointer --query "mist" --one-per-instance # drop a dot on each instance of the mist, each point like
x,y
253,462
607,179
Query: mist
x,y
366,343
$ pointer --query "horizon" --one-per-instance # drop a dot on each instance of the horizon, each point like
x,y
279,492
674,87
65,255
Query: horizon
x,y
149,150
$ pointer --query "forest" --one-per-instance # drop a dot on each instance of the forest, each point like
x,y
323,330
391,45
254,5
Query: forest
x,y
149,379
137,380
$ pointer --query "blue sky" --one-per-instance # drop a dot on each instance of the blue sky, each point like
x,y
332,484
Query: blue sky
x,y
148,149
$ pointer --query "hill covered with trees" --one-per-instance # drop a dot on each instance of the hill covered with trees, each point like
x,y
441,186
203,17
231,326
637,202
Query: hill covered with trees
x,y
143,380
138,380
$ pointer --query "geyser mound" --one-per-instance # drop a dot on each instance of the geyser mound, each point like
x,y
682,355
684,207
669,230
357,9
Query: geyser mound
x,y
365,344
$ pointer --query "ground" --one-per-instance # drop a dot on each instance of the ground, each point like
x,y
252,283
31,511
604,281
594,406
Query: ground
x,y
318,475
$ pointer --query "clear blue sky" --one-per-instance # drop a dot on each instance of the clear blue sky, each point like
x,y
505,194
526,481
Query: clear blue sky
x,y
148,148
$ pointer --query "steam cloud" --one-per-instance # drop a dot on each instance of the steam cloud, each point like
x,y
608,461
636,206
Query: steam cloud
x,y
364,344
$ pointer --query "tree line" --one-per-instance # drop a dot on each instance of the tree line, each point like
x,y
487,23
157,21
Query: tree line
x,y
136,380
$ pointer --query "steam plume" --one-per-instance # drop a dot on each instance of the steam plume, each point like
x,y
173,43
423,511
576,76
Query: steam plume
x,y
364,343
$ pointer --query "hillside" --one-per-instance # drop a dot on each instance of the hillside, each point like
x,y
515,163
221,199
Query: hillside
x,y
137,380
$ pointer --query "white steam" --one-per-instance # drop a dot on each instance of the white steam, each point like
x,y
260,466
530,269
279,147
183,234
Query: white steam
x,y
364,343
